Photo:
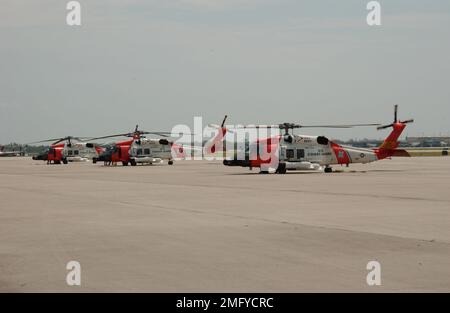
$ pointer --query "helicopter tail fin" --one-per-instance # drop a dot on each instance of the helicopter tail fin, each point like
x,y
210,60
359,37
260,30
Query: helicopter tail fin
x,y
214,144
390,144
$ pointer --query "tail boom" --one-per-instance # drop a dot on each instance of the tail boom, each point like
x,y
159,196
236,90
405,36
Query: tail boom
x,y
390,144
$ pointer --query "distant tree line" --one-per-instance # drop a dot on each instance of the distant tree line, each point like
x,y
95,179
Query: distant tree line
x,y
26,149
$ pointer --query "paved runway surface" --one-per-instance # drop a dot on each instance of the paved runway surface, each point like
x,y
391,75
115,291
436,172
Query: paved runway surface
x,y
199,226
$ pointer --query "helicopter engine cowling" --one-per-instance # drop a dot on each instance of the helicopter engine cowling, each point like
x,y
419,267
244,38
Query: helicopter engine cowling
x,y
288,138
322,140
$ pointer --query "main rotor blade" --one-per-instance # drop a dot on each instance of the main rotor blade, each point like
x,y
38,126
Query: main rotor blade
x,y
384,126
290,126
165,134
155,133
258,126
46,140
396,113
336,126
80,138
58,140
224,119
162,134
322,126
111,136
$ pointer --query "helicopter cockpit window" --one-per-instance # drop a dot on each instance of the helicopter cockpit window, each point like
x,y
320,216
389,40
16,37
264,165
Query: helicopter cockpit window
x,y
146,151
289,153
76,152
69,152
139,151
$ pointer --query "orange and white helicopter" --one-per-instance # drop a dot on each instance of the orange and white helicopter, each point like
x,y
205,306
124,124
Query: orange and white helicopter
x,y
283,152
68,149
140,149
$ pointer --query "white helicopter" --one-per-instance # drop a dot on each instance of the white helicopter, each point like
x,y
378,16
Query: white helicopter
x,y
280,153
140,150
68,149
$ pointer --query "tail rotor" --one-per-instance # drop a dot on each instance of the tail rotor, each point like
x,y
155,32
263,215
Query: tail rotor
x,y
396,121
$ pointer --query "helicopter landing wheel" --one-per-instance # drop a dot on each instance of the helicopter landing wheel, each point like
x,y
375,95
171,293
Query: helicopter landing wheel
x,y
170,162
281,168
328,169
132,162
65,161
125,163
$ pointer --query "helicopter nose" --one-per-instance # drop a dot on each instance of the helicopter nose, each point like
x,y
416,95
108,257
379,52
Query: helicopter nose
x,y
39,157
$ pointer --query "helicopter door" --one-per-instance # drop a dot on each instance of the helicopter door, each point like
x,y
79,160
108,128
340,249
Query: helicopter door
x,y
290,154
283,152
51,154
300,154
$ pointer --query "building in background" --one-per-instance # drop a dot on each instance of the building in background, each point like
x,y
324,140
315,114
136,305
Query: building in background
x,y
428,141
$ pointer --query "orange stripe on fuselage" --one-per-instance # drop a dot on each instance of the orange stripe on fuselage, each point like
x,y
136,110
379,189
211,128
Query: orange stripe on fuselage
x,y
342,156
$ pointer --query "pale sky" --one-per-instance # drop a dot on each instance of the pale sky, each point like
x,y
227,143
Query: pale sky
x,y
160,63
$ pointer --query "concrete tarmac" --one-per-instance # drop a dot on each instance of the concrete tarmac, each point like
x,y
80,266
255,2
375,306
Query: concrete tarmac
x,y
199,226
